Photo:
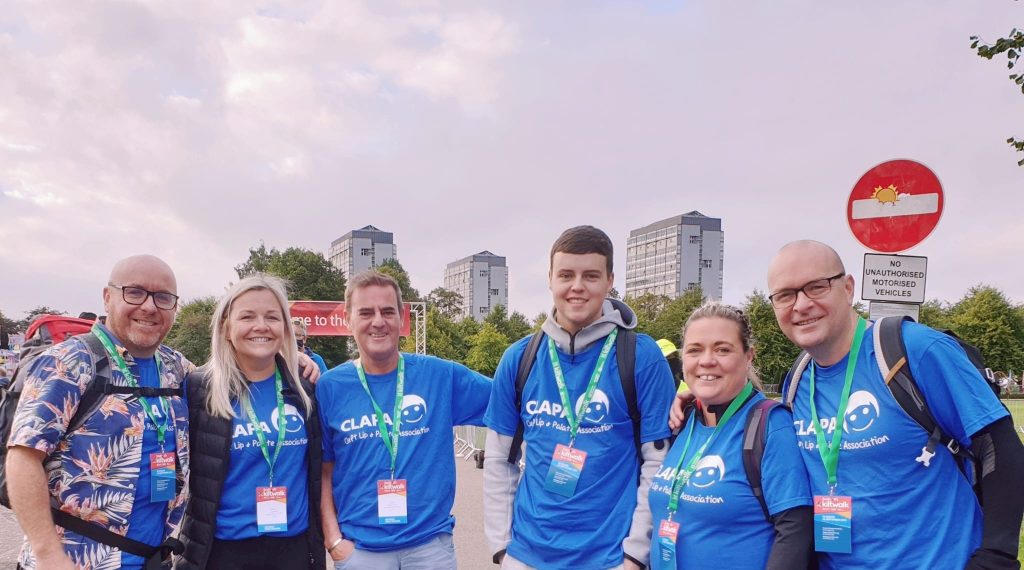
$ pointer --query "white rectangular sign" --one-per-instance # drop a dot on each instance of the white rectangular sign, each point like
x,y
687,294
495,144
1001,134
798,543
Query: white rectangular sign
x,y
879,309
897,278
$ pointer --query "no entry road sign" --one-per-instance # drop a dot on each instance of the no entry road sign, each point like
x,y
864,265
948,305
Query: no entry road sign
x,y
894,206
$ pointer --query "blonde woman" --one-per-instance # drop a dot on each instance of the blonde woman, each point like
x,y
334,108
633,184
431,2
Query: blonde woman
x,y
704,509
255,440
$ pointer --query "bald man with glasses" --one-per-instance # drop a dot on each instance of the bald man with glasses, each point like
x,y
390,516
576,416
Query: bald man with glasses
x,y
99,451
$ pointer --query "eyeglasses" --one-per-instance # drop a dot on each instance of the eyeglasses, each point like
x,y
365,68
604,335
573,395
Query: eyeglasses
x,y
138,295
814,290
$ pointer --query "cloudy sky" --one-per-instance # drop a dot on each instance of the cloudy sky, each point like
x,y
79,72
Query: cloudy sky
x,y
194,130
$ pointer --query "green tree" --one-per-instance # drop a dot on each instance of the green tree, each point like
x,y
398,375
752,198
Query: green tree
x,y
514,326
485,349
1012,45
985,318
444,338
445,301
935,314
190,334
538,321
669,322
774,353
258,262
393,268
32,314
310,277
647,307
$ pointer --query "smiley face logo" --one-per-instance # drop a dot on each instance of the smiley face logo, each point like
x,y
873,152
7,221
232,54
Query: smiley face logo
x,y
861,411
293,421
414,408
596,410
709,470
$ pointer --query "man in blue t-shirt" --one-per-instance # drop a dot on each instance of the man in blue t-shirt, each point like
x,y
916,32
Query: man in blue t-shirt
x,y
905,513
387,423
102,472
579,503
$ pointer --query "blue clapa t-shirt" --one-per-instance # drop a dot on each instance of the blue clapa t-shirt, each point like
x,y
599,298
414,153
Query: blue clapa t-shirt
x,y
146,521
236,515
717,509
551,531
934,509
438,396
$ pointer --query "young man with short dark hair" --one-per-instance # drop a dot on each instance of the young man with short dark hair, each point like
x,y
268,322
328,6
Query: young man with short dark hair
x,y
582,501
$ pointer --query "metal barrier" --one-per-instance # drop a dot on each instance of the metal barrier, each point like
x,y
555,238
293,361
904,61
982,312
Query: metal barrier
x,y
1016,408
469,443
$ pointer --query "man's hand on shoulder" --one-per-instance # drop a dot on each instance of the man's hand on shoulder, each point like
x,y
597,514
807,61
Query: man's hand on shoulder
x,y
308,368
675,413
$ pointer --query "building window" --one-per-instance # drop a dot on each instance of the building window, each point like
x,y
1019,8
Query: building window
x,y
366,251
706,263
483,273
694,239
494,292
483,310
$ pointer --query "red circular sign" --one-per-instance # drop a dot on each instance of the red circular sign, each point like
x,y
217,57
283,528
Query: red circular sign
x,y
894,206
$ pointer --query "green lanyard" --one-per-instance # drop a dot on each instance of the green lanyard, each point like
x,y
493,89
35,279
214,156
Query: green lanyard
x,y
570,412
108,345
682,477
390,438
258,427
830,453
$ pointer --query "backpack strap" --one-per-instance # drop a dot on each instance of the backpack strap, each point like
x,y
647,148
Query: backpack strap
x,y
797,370
94,392
525,366
891,355
625,358
755,435
152,554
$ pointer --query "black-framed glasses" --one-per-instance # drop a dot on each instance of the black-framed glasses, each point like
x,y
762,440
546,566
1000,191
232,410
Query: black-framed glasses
x,y
137,296
813,290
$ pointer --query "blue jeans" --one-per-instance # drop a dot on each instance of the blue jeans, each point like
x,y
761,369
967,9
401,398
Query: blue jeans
x,y
436,554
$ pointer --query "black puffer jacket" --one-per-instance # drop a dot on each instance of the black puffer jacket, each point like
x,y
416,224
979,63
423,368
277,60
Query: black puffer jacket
x,y
210,441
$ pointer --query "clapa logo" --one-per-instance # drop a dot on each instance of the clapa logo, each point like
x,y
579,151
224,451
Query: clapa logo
x,y
708,471
414,408
596,410
293,421
861,412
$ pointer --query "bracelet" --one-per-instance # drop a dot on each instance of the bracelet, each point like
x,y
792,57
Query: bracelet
x,y
335,544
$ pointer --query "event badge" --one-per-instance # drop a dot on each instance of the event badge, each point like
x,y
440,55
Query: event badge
x,y
162,481
566,467
392,501
833,516
272,509
668,531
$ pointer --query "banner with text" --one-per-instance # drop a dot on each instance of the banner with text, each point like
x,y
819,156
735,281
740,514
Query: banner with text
x,y
327,318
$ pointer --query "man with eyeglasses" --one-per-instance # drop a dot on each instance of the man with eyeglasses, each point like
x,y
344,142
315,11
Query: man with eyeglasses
x,y
300,330
96,478
863,452
119,471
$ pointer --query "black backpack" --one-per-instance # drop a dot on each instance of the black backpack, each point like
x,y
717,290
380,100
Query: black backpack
x,y
755,435
891,355
11,394
625,358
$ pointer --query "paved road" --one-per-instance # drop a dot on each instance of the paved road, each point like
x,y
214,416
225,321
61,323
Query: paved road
x,y
469,532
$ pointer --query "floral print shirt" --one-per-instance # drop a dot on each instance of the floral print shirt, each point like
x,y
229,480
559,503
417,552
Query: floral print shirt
x,y
93,471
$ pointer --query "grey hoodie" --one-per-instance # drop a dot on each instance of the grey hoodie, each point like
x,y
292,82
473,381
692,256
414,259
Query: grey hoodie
x,y
501,479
